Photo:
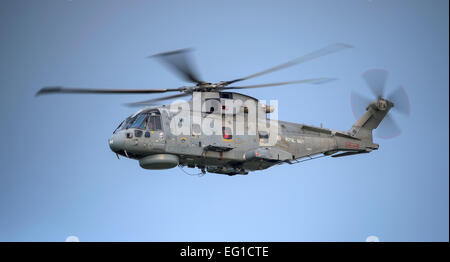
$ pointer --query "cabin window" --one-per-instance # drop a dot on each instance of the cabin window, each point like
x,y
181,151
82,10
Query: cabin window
x,y
227,133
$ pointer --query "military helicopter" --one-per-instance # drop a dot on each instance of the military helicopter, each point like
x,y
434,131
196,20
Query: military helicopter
x,y
230,133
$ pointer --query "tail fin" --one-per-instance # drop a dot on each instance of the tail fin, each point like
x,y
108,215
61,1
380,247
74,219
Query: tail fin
x,y
375,113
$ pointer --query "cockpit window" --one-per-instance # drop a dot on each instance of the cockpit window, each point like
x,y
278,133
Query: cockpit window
x,y
124,124
146,120
139,122
154,123
119,127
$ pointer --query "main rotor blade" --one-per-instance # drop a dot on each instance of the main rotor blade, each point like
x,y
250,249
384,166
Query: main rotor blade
x,y
376,80
359,104
152,101
179,62
68,90
305,81
388,128
401,101
316,54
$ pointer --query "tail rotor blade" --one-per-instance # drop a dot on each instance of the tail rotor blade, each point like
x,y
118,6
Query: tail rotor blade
x,y
359,104
376,80
401,101
388,128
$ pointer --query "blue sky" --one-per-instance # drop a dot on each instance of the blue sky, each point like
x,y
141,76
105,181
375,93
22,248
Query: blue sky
x,y
59,177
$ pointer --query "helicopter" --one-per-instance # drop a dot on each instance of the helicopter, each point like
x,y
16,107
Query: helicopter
x,y
224,132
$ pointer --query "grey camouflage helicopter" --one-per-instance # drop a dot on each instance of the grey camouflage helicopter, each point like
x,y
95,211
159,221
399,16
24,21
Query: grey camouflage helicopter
x,y
166,136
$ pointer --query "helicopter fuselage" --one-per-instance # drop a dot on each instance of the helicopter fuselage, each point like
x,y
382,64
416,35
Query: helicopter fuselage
x,y
154,137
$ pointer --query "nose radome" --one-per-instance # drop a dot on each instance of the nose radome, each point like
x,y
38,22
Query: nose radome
x,y
117,142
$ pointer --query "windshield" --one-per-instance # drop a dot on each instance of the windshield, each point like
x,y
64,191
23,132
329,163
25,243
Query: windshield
x,y
140,121
124,123
148,120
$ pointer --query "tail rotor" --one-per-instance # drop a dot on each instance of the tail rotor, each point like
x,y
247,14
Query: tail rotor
x,y
376,81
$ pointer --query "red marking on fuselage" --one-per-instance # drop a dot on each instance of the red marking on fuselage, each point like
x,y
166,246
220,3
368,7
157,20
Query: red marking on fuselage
x,y
351,145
